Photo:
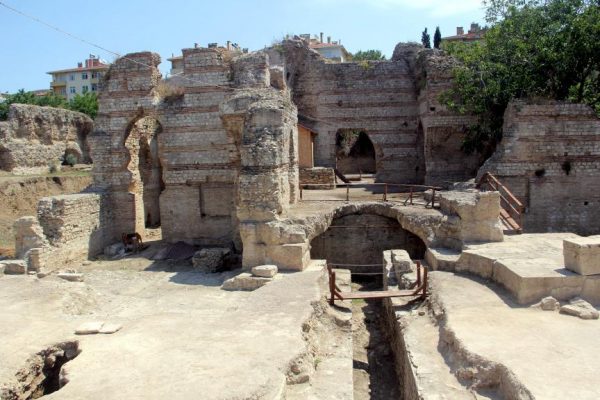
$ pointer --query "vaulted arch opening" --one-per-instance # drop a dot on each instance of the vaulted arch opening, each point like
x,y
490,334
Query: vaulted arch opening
x,y
145,171
355,152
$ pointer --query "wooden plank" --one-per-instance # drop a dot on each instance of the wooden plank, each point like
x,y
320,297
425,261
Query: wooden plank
x,y
381,294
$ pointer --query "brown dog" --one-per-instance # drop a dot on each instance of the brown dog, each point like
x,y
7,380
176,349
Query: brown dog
x,y
132,241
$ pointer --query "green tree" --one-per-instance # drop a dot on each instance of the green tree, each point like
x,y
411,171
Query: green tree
x,y
437,38
537,48
368,55
426,39
86,103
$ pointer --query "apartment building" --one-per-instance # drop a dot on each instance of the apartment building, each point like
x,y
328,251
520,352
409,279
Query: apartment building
x,y
83,79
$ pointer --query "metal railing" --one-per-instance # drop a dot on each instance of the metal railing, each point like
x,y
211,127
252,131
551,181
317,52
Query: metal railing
x,y
408,192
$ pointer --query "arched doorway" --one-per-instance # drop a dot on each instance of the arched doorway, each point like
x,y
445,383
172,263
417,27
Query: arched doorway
x,y
360,239
146,181
355,152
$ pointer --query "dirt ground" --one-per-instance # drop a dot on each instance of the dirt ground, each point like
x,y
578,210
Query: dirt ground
x,y
19,196
374,368
182,337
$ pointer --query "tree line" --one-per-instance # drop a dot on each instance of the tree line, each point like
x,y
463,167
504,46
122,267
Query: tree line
x,y
86,103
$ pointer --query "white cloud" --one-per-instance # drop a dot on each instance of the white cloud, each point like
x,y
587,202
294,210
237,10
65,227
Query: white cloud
x,y
433,8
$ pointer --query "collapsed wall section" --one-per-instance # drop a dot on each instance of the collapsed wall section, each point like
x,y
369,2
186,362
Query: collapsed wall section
x,y
549,157
441,130
35,138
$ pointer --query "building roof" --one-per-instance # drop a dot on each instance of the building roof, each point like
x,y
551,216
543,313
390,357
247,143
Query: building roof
x,y
175,58
80,69
323,45
466,37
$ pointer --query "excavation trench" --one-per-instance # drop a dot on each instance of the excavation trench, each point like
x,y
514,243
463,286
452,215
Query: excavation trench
x,y
43,373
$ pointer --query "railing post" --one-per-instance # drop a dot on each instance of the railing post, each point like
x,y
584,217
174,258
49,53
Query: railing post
x,y
411,195
418,273
433,199
301,187
347,192
385,190
424,282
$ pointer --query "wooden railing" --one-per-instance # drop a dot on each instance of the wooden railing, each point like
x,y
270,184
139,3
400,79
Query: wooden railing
x,y
410,192
512,209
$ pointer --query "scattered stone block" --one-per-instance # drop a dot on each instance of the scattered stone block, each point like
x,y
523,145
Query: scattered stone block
x,y
549,304
71,276
110,328
401,261
210,260
114,250
582,255
89,328
245,281
14,267
86,263
580,308
265,271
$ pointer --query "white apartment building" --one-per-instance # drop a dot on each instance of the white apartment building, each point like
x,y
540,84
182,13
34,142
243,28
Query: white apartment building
x,y
83,79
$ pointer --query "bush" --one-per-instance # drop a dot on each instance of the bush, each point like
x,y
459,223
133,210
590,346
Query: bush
x,y
169,92
70,159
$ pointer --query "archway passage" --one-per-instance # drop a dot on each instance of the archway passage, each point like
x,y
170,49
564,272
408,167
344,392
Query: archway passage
x,y
359,240
146,183
355,152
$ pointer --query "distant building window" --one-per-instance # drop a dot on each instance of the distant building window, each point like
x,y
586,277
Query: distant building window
x,y
72,77
84,75
72,90
94,75
63,91
94,87
85,89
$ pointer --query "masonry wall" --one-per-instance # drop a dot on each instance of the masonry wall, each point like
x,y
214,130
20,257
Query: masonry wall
x,y
549,158
378,98
441,130
35,137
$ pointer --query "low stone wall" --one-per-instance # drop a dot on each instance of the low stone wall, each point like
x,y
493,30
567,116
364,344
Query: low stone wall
x,y
68,230
323,178
36,137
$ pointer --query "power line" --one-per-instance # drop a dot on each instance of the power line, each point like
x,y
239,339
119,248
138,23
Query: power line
x,y
78,38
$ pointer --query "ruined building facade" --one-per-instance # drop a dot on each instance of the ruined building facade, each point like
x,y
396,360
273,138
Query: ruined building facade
x,y
212,157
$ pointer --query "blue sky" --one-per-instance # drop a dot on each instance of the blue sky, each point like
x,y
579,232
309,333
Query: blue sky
x,y
29,49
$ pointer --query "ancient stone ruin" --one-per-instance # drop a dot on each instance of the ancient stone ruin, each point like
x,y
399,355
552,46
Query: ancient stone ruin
x,y
35,139
283,162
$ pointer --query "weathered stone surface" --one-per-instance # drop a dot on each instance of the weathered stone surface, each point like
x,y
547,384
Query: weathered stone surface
x,y
582,255
549,304
34,137
110,328
264,271
319,178
245,281
13,267
210,260
114,249
71,276
478,214
28,235
580,308
89,328
549,157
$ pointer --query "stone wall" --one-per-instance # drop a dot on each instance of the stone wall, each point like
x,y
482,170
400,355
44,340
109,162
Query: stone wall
x,y
376,97
549,158
322,178
68,230
361,239
34,137
223,147
442,131
396,103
